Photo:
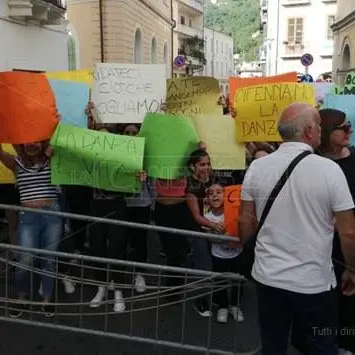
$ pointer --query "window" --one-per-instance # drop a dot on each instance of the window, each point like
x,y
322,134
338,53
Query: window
x,y
182,20
295,30
222,47
138,47
190,23
330,22
71,53
222,73
153,51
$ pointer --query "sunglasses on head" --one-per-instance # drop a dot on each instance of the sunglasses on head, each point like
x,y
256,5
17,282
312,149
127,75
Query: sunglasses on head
x,y
346,127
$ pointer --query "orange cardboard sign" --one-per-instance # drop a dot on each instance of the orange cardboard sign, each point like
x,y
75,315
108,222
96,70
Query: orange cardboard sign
x,y
27,108
236,83
232,199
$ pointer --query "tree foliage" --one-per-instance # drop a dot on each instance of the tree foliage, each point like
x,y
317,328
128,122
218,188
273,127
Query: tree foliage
x,y
239,19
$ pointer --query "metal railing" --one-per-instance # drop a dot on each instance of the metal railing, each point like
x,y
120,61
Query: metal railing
x,y
162,316
62,4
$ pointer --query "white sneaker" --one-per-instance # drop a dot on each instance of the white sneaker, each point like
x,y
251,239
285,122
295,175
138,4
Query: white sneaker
x,y
99,297
140,284
237,313
111,286
40,290
222,315
69,285
345,352
119,302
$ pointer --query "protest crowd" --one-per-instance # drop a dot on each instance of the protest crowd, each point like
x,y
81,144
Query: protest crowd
x,y
293,219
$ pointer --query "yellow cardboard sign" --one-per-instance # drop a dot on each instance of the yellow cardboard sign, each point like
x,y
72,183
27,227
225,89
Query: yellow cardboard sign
x,y
81,76
259,107
218,134
193,96
6,175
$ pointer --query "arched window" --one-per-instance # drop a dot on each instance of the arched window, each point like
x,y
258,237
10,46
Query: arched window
x,y
346,57
153,51
138,47
71,52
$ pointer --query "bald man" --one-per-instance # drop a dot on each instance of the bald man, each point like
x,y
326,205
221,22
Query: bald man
x,y
293,269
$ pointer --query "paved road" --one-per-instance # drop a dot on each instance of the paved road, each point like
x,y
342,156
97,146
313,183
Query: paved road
x,y
18,339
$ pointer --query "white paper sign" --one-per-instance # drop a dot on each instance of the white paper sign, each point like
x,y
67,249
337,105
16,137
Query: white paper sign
x,y
124,93
321,90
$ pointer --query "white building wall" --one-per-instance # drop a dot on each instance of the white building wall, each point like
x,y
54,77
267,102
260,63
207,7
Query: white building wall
x,y
219,50
315,28
24,46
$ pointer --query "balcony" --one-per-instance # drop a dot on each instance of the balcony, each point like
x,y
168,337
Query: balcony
x,y
189,31
193,4
296,2
45,12
293,50
263,18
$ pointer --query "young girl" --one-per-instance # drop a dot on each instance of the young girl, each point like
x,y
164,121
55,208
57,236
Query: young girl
x,y
224,258
33,177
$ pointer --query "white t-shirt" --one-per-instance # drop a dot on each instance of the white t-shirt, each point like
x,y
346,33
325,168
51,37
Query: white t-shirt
x,y
294,247
221,250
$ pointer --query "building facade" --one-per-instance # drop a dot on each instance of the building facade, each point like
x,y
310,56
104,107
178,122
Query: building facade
x,y
219,49
295,27
33,35
122,31
188,36
344,40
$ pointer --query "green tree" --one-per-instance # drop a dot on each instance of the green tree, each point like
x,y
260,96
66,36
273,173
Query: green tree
x,y
239,19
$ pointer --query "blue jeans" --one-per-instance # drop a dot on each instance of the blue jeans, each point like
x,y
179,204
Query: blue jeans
x,y
39,231
316,315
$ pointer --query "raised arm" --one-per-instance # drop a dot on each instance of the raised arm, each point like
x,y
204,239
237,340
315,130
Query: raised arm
x,y
7,159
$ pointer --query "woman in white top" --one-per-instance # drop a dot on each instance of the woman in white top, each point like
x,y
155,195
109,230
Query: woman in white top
x,y
225,258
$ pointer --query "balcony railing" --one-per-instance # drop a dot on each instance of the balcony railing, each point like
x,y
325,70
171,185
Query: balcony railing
x,y
189,30
194,4
293,50
62,4
46,12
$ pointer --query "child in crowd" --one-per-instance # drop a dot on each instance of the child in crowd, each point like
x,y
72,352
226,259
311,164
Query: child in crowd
x,y
224,257
41,231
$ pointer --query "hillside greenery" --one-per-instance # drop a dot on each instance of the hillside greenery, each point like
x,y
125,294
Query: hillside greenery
x,y
239,19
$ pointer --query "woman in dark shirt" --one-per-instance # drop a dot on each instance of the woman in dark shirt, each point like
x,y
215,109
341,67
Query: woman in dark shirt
x,y
199,180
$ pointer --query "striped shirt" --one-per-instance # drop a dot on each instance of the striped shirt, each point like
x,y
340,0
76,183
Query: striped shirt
x,y
34,183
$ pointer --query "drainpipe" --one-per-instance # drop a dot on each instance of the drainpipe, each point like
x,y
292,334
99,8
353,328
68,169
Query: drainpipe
x,y
172,36
102,46
277,37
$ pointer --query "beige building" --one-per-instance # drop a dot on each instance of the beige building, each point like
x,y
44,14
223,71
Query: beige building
x,y
188,34
122,31
344,40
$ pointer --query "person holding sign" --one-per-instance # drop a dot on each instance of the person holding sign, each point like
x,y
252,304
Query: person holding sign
x,y
199,181
138,211
33,177
224,257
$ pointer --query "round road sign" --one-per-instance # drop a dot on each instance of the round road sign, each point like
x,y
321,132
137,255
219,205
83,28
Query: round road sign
x,y
307,78
307,60
179,61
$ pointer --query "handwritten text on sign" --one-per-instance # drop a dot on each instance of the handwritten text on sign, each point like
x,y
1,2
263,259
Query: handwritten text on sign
x,y
259,108
103,160
193,96
124,93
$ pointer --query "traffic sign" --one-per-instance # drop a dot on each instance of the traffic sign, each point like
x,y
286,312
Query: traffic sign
x,y
307,78
179,61
307,60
